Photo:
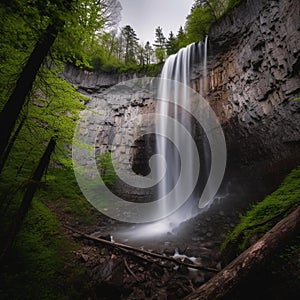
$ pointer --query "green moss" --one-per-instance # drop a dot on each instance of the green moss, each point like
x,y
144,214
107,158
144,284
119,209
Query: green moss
x,y
61,187
106,168
37,268
286,197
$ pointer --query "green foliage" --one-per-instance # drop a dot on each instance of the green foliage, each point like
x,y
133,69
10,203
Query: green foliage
x,y
82,26
182,38
148,53
131,44
53,105
106,167
19,33
61,187
151,70
286,196
37,269
198,23
160,54
203,14
52,110
160,40
108,54
160,45
172,46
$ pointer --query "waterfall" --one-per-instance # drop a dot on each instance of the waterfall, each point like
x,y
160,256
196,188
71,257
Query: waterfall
x,y
178,68
187,132
183,189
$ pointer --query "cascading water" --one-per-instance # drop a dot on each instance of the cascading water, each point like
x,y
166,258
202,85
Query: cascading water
x,y
178,68
187,132
187,135
179,163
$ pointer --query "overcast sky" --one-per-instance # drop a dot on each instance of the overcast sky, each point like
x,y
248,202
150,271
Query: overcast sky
x,y
146,15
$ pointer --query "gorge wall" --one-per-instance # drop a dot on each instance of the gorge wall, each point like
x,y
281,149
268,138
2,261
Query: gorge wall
x,y
254,80
253,84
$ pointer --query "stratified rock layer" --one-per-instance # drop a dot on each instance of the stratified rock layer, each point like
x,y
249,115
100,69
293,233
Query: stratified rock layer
x,y
254,81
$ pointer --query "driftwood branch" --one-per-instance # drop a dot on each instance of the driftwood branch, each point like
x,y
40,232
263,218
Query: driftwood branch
x,y
250,260
139,257
138,250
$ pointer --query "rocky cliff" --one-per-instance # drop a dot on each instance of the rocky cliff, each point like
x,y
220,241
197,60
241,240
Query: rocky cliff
x,y
254,81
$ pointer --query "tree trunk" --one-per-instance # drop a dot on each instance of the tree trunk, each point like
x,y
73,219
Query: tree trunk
x,y
10,145
12,108
249,261
26,202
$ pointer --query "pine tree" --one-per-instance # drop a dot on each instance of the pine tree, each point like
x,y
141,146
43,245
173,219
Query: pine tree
x,y
160,41
148,52
160,44
181,38
141,55
172,45
130,44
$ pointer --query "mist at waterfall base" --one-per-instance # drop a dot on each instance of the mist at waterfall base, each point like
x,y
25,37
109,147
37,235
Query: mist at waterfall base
x,y
178,67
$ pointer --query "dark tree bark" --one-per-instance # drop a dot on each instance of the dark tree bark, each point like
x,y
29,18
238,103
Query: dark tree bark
x,y
12,108
10,144
26,202
249,261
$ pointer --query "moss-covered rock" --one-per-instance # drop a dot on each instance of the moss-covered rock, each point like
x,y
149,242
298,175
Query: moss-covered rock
x,y
263,216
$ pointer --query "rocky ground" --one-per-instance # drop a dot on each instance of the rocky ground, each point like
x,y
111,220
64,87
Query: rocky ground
x,y
117,274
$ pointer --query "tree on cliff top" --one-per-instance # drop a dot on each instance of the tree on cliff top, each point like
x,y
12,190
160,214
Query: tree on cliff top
x,y
130,44
160,44
172,45
203,14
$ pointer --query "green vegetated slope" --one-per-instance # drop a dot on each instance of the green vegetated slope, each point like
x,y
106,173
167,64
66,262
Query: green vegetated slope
x,y
281,277
40,265
284,199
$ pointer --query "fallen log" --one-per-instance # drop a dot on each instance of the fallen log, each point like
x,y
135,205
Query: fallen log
x,y
138,250
250,260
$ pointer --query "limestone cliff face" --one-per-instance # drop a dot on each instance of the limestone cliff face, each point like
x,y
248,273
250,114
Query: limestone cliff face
x,y
253,80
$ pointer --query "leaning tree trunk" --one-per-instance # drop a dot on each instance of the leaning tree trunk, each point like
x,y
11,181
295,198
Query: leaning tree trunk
x,y
10,144
250,260
26,202
12,108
